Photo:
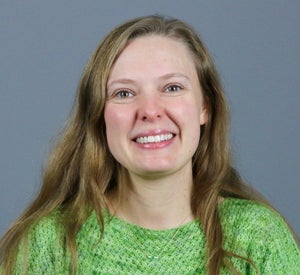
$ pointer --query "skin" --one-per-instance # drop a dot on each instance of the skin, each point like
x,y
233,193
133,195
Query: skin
x,y
154,94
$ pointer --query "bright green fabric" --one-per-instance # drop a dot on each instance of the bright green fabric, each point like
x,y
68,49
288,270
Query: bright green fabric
x,y
250,230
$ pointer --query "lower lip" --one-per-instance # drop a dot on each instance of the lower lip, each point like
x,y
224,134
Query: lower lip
x,y
155,145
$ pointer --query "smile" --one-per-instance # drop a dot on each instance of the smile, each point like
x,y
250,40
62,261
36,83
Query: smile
x,y
153,139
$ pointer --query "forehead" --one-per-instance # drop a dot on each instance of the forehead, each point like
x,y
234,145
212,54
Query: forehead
x,y
153,55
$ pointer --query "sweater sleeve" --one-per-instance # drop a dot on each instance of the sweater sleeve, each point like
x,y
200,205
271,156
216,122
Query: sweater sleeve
x,y
273,247
42,252
261,235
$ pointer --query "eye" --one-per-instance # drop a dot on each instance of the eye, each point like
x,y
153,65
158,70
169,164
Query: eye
x,y
173,88
123,94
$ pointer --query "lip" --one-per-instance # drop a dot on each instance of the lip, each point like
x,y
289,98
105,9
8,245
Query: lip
x,y
154,145
152,133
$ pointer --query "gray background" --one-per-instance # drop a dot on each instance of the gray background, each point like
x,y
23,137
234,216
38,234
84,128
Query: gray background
x,y
45,44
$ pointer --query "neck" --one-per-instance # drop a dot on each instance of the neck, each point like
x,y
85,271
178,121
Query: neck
x,y
155,203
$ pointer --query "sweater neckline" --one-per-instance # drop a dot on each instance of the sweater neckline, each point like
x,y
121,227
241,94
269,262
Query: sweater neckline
x,y
122,224
119,222
154,246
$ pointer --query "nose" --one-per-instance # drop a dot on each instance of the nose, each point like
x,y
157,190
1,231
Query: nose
x,y
150,108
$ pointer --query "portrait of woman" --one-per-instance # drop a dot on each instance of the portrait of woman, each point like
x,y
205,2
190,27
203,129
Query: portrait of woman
x,y
141,180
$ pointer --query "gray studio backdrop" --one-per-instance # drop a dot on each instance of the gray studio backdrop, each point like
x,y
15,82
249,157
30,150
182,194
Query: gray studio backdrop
x,y
45,44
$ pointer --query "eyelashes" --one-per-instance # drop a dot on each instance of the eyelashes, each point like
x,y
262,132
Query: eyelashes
x,y
124,93
173,88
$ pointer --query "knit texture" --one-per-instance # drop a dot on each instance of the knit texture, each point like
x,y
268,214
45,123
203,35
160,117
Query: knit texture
x,y
250,230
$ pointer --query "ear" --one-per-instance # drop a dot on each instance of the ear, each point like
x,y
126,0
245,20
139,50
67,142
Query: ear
x,y
203,114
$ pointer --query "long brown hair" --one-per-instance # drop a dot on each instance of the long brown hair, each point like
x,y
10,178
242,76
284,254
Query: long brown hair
x,y
81,170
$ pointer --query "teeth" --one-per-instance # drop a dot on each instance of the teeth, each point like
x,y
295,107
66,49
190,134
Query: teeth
x,y
151,139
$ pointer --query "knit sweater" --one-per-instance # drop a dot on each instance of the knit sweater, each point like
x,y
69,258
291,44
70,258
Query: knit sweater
x,y
250,230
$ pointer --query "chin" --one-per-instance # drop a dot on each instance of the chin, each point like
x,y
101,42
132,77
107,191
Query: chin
x,y
155,172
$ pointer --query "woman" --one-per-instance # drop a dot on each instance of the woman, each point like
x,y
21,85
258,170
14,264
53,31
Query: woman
x,y
141,180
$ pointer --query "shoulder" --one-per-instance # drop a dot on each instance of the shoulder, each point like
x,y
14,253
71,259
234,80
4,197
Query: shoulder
x,y
43,249
46,229
250,215
247,213
260,233
240,216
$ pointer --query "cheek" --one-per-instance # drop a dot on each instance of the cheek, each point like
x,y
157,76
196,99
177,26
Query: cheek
x,y
112,123
110,118
117,121
188,114
191,123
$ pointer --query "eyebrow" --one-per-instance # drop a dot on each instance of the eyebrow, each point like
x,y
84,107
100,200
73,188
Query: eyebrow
x,y
170,75
163,77
120,81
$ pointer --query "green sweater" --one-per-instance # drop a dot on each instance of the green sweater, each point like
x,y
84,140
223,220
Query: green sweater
x,y
250,230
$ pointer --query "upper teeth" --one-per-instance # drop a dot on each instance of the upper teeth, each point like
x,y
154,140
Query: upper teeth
x,y
156,138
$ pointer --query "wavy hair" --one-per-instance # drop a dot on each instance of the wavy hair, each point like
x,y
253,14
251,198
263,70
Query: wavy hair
x,y
81,170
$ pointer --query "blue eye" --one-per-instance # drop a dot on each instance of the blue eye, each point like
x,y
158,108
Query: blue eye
x,y
173,88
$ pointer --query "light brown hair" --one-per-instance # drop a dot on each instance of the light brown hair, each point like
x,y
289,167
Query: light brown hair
x,y
81,170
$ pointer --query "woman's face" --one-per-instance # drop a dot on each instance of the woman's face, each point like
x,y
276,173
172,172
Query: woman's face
x,y
154,108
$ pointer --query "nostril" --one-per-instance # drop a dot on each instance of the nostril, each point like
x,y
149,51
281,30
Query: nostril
x,y
149,117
